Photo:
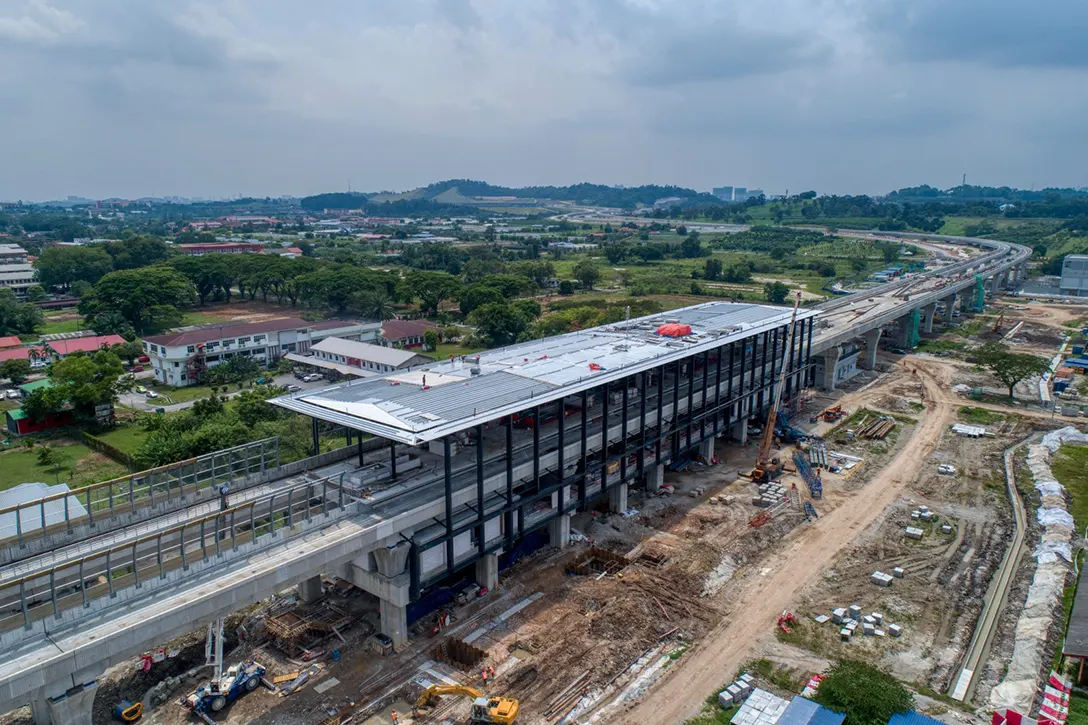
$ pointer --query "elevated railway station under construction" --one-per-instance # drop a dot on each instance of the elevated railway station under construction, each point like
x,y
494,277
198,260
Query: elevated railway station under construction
x,y
509,442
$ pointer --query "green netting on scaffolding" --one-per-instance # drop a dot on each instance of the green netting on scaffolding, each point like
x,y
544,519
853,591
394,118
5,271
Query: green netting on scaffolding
x,y
912,329
978,296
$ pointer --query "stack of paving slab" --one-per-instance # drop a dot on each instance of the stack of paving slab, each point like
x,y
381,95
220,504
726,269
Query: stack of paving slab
x,y
737,692
760,708
849,619
881,579
913,532
769,494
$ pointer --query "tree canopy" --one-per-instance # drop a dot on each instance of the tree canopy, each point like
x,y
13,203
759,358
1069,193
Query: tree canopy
x,y
148,299
1010,367
81,381
17,318
866,694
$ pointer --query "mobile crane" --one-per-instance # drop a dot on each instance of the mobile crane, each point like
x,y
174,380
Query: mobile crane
x,y
223,687
492,710
768,469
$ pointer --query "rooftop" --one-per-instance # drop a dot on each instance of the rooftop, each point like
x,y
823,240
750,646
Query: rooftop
x,y
365,351
219,332
400,329
434,400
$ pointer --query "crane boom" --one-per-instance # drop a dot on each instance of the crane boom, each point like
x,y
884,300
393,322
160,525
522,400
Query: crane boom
x,y
772,415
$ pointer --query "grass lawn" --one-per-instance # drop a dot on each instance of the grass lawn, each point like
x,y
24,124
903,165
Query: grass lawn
x,y
1070,466
125,437
9,404
444,351
55,327
180,395
78,466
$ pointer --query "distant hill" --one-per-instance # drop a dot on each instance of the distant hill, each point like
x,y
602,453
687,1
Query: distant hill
x,y
470,192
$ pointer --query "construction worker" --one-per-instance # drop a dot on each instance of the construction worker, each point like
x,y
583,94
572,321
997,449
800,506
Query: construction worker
x,y
224,490
483,675
393,716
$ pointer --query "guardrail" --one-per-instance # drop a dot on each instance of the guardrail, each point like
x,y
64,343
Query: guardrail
x,y
146,489
78,583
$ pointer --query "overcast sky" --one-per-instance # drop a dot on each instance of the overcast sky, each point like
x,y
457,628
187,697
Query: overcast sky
x,y
268,97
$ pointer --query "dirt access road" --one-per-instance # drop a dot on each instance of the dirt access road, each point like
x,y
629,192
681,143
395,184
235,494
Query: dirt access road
x,y
681,694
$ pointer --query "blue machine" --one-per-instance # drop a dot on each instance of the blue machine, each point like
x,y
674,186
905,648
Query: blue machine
x,y
224,687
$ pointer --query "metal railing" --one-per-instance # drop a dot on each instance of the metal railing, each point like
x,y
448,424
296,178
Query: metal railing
x,y
78,582
146,489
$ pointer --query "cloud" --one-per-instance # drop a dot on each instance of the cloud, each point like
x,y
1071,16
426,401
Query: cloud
x,y
216,97
997,33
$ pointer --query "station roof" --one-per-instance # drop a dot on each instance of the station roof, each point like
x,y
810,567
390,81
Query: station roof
x,y
434,400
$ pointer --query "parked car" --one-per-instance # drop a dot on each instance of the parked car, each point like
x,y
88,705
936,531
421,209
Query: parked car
x,y
292,388
141,389
13,394
152,394
312,378
143,359
137,368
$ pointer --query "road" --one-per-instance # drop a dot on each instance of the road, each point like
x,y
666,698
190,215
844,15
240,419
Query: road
x,y
139,401
792,568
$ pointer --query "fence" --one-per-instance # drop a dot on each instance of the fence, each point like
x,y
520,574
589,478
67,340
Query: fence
x,y
95,443
76,583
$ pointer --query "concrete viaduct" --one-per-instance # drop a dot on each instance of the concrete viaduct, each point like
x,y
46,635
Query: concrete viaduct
x,y
108,580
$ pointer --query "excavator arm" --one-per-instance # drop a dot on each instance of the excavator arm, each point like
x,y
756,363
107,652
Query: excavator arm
x,y
433,692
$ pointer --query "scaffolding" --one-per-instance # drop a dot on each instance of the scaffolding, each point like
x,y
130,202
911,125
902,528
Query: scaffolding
x,y
810,477
912,329
978,295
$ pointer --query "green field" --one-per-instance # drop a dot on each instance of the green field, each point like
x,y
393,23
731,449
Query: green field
x,y
127,438
198,317
78,466
181,395
54,328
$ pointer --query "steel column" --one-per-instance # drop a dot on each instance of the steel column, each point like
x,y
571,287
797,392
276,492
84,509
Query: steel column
x,y
360,438
536,449
448,469
604,440
582,483
561,457
317,443
393,459
509,481
643,383
676,409
660,413
480,533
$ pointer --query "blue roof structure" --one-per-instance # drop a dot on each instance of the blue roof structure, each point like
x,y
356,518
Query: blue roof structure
x,y
1077,362
913,718
806,712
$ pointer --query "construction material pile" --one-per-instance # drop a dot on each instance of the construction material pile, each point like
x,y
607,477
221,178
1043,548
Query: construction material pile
x,y
876,429
1044,601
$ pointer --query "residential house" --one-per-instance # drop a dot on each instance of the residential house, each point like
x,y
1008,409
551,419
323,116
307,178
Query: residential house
x,y
360,359
405,333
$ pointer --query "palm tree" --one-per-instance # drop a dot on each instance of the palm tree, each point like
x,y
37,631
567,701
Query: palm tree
x,y
376,305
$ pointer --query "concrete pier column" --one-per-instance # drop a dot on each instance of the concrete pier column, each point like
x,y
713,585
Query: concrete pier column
x,y
831,361
740,431
872,343
394,621
902,334
928,313
655,478
74,707
995,284
487,571
39,709
309,590
617,498
559,531
706,449
949,305
391,561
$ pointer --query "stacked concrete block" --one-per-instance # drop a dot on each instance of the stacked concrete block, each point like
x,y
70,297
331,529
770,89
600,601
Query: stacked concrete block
x,y
844,634
895,630
898,572
838,616
878,618
881,579
867,629
854,611
914,532
946,528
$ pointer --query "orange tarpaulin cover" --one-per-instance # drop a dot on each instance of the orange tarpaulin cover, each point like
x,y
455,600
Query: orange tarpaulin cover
x,y
674,329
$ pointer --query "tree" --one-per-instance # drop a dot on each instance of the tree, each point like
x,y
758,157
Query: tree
x,y
61,266
566,287
866,694
35,293
47,456
17,318
713,269
149,299
432,288
498,323
81,382
690,248
858,264
128,351
587,273
478,295
17,371
1009,367
238,369
374,305
431,339
890,252
775,292
137,251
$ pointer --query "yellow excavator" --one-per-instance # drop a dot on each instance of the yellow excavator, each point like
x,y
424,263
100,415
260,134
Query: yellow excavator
x,y
501,710
767,468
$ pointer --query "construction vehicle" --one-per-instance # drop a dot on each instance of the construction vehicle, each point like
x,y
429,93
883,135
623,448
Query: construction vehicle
x,y
832,414
126,711
767,468
223,687
503,710
997,323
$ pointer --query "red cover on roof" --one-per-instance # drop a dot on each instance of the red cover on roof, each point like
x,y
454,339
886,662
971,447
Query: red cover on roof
x,y
674,329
